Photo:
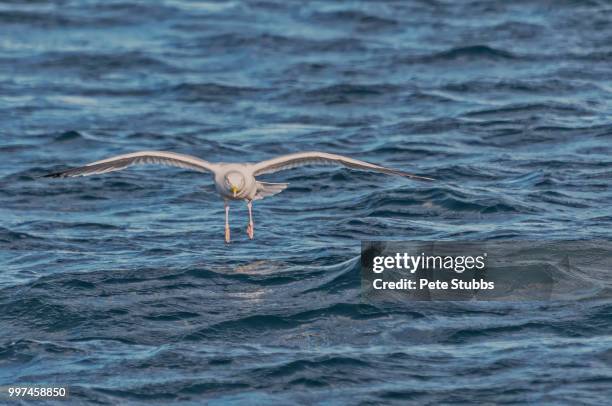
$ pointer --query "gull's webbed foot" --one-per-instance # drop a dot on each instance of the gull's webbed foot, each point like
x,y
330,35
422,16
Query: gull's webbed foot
x,y
227,234
251,226
227,229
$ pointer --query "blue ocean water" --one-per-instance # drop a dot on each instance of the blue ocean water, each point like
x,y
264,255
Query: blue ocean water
x,y
120,286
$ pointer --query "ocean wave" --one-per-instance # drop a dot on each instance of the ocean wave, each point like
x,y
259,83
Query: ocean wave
x,y
362,21
468,54
91,64
210,92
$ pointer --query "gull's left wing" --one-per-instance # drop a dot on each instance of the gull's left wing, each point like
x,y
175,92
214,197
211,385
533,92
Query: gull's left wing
x,y
119,162
322,158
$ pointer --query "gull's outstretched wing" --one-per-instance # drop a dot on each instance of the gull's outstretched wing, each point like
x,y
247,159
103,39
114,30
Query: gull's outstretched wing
x,y
119,162
323,158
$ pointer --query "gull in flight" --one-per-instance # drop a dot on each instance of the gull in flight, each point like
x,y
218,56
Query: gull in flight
x,y
233,181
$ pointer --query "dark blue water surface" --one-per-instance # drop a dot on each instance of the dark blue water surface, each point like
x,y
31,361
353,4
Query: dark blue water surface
x,y
120,286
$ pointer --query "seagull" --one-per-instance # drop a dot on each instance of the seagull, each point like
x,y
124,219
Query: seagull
x,y
233,181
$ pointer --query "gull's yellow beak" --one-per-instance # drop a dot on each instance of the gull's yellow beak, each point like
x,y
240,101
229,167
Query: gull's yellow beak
x,y
234,190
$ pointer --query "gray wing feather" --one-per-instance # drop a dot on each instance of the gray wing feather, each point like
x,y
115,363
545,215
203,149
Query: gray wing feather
x,y
137,158
322,158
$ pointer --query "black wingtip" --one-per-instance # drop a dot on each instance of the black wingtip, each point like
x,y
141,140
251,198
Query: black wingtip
x,y
416,177
53,175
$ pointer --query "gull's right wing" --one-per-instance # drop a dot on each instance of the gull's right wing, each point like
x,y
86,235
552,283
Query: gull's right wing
x,y
119,162
322,158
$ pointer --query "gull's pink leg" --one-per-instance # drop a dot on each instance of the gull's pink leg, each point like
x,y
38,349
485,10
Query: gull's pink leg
x,y
251,226
227,229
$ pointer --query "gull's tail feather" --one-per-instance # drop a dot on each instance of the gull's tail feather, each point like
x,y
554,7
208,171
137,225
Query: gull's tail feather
x,y
265,189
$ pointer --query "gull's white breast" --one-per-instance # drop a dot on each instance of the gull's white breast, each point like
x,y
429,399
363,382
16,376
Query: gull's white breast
x,y
250,184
